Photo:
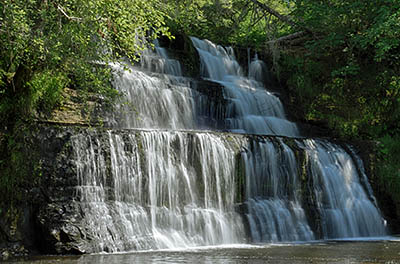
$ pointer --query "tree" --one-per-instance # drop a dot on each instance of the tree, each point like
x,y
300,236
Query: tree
x,y
50,44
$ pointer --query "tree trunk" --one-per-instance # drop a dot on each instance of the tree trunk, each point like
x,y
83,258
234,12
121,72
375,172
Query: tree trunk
x,y
288,37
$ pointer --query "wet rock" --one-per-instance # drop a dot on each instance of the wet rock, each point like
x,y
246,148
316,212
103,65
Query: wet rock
x,y
13,250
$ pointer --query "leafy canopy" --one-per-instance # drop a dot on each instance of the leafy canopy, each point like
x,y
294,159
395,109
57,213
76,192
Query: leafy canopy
x,y
50,44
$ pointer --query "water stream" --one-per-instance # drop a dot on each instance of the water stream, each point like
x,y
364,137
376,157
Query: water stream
x,y
167,185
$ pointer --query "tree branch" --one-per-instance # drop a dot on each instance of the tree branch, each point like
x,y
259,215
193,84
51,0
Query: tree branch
x,y
281,17
66,15
288,37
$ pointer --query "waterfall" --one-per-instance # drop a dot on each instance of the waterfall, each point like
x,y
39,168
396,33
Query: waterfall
x,y
156,95
273,194
343,204
168,189
149,183
258,70
275,212
250,108
162,190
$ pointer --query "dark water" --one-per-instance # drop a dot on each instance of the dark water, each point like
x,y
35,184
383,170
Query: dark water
x,y
345,252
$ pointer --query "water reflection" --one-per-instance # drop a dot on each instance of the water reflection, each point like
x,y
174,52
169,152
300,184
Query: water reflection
x,y
342,252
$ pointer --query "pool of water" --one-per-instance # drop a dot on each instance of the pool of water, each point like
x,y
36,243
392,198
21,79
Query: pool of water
x,y
346,252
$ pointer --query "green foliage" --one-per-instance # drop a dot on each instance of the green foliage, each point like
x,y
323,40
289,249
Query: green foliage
x,y
203,18
234,22
46,88
48,45
348,73
389,168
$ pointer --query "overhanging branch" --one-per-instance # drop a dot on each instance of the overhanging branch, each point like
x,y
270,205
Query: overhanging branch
x,y
281,17
61,9
288,37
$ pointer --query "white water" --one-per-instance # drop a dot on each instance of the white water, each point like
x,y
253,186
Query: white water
x,y
344,206
276,200
163,190
155,94
159,189
251,108
275,212
158,61
258,70
273,194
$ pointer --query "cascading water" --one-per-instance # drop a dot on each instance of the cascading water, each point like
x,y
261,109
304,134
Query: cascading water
x,y
275,212
155,93
258,70
273,194
163,190
250,108
343,204
276,196
148,189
